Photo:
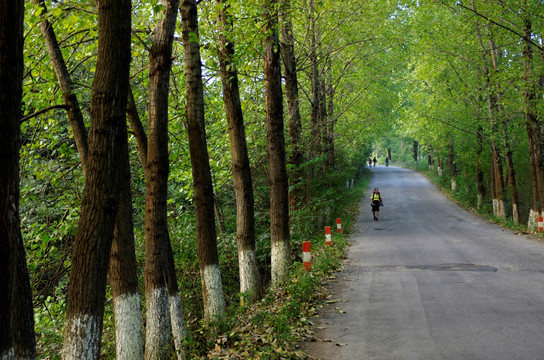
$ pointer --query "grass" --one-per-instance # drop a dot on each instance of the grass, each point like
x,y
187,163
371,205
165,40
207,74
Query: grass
x,y
272,327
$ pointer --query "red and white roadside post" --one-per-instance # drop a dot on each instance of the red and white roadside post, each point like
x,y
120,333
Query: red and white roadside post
x,y
306,256
339,225
328,237
540,223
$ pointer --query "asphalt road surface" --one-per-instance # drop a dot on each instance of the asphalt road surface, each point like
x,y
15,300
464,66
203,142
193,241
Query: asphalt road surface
x,y
432,281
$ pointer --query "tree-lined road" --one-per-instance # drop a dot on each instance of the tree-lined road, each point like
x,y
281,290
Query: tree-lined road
x,y
432,281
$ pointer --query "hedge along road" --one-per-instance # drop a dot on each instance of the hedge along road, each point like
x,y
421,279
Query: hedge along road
x,y
432,281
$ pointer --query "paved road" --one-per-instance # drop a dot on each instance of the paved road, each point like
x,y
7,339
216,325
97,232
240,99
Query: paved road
x,y
432,281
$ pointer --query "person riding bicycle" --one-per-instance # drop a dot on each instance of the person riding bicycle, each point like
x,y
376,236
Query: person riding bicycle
x,y
376,201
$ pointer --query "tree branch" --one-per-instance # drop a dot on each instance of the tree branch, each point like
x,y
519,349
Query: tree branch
x,y
28,117
500,25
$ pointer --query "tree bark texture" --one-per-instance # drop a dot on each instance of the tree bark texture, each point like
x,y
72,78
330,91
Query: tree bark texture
x,y
331,120
452,166
293,106
66,84
157,238
315,121
137,128
277,174
430,162
214,302
497,182
250,279
123,275
177,320
123,271
480,186
532,123
17,338
100,200
508,154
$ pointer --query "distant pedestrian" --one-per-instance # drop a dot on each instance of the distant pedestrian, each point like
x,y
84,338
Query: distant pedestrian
x,y
369,162
386,161
374,161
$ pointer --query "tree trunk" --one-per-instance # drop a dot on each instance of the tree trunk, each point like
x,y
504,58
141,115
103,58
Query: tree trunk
x,y
416,149
17,337
123,272
137,128
430,162
250,278
452,166
123,275
322,127
66,84
92,246
505,135
480,187
533,125
497,183
214,302
331,120
293,106
277,176
315,122
158,250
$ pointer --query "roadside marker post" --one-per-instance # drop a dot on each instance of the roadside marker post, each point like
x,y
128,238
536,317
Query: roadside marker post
x,y
339,225
540,223
328,238
306,256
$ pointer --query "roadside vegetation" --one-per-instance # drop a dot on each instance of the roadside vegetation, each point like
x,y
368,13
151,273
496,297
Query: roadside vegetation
x,y
239,129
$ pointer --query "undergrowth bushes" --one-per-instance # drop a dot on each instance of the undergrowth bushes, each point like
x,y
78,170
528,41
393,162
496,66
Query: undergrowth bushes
x,y
268,329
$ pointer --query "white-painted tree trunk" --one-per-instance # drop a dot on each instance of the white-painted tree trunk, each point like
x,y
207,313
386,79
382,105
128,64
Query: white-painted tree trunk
x,y
279,262
501,209
453,185
247,262
480,201
178,325
214,298
157,334
82,338
532,223
128,321
515,213
495,207
440,171
8,355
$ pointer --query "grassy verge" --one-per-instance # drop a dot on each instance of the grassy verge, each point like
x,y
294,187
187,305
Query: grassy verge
x,y
272,328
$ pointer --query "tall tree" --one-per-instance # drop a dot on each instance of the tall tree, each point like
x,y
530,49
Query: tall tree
x,y
497,184
17,338
315,97
293,104
277,173
160,282
66,83
123,274
210,273
92,246
532,122
250,279
508,153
